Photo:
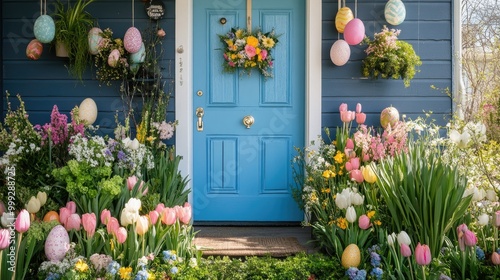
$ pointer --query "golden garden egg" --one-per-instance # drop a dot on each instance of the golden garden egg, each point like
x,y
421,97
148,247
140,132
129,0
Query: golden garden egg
x,y
351,257
344,15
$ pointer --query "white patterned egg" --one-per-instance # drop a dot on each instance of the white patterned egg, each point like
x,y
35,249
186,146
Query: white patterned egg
x,y
87,111
354,32
395,12
340,52
132,40
44,29
94,40
139,56
57,243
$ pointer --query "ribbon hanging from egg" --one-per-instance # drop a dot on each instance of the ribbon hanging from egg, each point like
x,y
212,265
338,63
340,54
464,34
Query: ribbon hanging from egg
x,y
133,39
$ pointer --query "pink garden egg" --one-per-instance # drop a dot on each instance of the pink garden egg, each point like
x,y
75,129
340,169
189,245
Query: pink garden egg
x,y
132,40
340,52
34,49
95,39
57,243
354,32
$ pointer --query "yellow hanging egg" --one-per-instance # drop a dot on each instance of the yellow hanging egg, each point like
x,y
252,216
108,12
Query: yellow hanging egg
x,y
351,256
344,15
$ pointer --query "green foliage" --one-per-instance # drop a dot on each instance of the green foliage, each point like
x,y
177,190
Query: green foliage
x,y
424,196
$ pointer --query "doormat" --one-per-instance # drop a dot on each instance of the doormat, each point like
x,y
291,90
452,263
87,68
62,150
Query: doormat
x,y
249,246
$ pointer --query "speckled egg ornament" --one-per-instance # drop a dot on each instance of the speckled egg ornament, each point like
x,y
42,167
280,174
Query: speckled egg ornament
x,y
95,39
139,56
44,29
340,52
57,243
344,15
395,12
354,32
132,40
87,111
34,49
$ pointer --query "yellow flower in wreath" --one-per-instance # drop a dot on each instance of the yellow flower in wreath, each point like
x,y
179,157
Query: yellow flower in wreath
x,y
268,42
252,41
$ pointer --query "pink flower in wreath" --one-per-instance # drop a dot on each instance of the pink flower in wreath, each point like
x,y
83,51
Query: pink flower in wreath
x,y
231,63
263,54
250,51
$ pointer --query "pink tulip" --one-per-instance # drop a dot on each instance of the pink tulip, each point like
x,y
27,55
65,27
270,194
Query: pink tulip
x,y
89,222
343,107
357,175
121,234
495,258
497,218
132,181
360,118
405,250
153,217
347,116
470,238
71,205
352,164
112,225
187,213
74,221
160,207
64,213
168,216
364,222
358,108
4,238
422,254
105,215
461,229
349,144
23,221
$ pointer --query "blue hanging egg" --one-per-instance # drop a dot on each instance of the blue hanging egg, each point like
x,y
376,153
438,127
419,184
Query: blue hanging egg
x,y
139,56
44,29
395,12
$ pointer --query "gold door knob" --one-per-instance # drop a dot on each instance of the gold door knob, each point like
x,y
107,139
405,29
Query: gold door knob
x,y
248,121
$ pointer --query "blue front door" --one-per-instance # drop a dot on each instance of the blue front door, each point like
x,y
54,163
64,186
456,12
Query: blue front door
x,y
240,173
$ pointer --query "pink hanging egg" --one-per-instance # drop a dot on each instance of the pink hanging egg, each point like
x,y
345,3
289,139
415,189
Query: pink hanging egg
x,y
354,32
340,52
132,40
34,49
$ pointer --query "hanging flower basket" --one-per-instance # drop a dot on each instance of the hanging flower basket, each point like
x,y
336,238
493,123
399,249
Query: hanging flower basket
x,y
389,57
248,50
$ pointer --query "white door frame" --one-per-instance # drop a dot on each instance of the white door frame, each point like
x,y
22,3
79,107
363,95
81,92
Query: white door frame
x,y
184,91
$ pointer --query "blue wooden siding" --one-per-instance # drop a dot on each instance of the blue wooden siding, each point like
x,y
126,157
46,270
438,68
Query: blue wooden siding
x,y
46,82
428,27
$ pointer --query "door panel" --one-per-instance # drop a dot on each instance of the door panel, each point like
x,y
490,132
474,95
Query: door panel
x,y
244,174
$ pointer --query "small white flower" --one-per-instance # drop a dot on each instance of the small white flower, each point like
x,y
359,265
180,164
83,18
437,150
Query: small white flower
x,y
134,145
391,238
483,219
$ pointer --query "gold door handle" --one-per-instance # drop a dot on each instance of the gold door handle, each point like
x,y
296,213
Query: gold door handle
x,y
248,121
199,113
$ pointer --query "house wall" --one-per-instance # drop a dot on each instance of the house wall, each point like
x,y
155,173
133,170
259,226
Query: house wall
x,y
428,27
46,82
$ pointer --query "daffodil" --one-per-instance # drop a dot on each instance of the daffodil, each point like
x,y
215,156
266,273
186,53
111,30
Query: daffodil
x,y
81,265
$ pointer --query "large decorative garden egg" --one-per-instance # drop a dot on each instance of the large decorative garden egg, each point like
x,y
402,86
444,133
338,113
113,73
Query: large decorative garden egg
x,y
87,111
395,12
44,29
95,39
57,243
139,56
132,40
389,115
354,32
351,257
340,52
344,15
34,49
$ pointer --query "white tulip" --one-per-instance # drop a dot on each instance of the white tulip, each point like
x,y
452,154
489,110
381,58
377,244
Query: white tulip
x,y
33,205
133,205
128,217
126,142
357,199
391,238
134,145
404,238
478,194
483,219
342,201
42,197
350,214
491,195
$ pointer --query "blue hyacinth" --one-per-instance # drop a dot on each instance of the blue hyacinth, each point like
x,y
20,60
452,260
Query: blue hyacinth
x,y
479,253
377,272
375,259
113,267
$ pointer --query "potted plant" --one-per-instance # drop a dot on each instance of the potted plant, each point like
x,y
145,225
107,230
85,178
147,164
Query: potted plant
x,y
389,57
72,26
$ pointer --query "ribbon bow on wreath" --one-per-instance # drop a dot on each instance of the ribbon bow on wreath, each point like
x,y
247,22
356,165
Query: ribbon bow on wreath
x,y
247,50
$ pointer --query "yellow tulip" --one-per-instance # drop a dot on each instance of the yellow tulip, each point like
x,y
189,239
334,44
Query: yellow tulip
x,y
368,174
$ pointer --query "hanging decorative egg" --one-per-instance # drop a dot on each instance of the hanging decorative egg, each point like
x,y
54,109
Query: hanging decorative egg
x,y
44,29
344,15
34,49
132,40
139,56
395,12
57,243
87,111
389,116
113,58
94,40
354,32
340,52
